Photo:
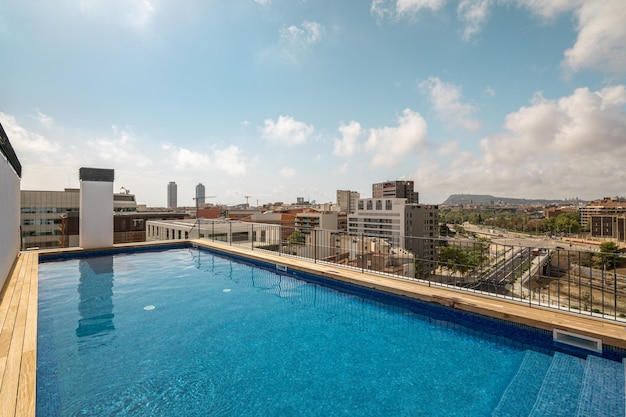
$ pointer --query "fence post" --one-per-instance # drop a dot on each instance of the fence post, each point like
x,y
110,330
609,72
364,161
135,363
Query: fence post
x,y
251,236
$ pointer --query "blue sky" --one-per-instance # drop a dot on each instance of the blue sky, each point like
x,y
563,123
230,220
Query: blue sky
x,y
279,99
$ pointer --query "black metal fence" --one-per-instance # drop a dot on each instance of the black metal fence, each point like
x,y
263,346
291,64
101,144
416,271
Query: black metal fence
x,y
9,153
579,281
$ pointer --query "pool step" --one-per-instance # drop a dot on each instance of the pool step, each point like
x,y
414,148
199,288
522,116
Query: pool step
x,y
559,392
525,384
602,393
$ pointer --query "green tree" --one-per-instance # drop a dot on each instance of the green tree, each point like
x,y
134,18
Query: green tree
x,y
567,222
296,237
462,259
609,256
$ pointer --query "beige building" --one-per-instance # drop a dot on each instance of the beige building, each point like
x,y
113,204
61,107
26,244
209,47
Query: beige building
x,y
608,206
347,200
328,220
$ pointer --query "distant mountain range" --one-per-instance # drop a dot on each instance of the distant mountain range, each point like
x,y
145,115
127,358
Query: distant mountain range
x,y
485,199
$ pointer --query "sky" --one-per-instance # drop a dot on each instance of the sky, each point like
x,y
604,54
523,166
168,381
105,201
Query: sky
x,y
280,99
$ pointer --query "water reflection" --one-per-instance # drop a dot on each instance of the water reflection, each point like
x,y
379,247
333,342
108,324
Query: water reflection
x,y
95,289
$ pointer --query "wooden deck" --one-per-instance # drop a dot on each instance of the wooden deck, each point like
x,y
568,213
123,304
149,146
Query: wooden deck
x,y
19,299
18,338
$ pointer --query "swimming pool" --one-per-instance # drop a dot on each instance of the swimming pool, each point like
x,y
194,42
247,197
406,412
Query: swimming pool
x,y
186,332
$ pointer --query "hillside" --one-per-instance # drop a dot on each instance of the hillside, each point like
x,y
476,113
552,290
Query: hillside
x,y
485,199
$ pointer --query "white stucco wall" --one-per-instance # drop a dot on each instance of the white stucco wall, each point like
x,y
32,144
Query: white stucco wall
x,y
96,214
9,218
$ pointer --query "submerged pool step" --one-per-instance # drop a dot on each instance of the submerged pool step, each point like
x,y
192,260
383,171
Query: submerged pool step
x,y
558,396
602,393
525,384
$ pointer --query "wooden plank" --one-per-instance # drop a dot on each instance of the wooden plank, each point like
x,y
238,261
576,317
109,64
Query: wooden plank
x,y
7,292
10,380
27,388
10,303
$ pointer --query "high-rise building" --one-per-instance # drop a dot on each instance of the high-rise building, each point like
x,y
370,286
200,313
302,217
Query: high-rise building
x,y
200,194
395,189
347,200
172,195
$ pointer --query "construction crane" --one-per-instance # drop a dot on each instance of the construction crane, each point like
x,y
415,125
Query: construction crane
x,y
247,197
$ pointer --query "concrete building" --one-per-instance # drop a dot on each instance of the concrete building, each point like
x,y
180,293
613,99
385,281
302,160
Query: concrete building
x,y
172,195
200,194
395,189
43,213
609,227
309,220
347,200
403,225
608,206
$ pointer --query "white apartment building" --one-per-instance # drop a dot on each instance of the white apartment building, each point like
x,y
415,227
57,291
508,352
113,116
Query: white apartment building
x,y
245,233
407,226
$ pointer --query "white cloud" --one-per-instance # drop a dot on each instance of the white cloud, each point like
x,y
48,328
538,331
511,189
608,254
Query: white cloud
x,y
585,121
347,145
287,172
551,148
45,120
447,103
28,144
549,9
308,33
410,7
119,150
391,144
403,8
342,169
601,41
287,130
473,13
229,160
137,14
262,2
449,148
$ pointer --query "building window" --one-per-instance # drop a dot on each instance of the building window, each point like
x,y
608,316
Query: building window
x,y
369,204
388,205
360,204
379,205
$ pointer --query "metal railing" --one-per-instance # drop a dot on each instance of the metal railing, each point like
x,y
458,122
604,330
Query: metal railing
x,y
579,281
9,153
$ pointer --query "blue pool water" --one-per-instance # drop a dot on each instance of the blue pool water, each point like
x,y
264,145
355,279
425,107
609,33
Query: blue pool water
x,y
188,333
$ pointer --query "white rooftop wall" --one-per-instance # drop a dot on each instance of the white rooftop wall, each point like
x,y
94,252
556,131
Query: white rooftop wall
x,y
9,218
96,214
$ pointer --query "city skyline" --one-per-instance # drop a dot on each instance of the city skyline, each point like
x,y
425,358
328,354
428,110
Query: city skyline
x,y
277,100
